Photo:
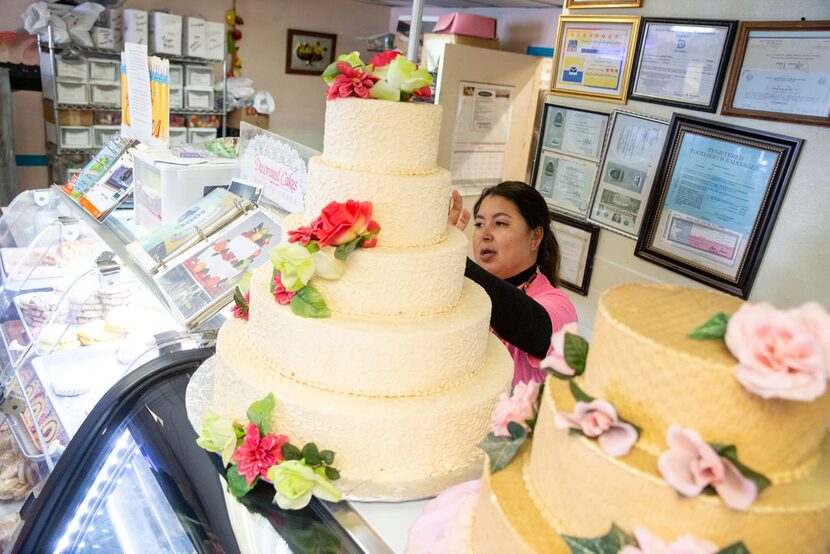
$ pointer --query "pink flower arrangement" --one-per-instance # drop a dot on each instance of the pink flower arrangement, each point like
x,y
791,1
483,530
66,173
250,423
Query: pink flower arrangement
x,y
556,359
518,407
257,454
781,354
690,465
649,543
281,294
241,312
351,81
598,420
340,223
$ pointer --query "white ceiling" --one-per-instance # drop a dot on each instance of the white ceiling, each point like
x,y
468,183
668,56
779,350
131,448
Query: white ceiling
x,y
469,3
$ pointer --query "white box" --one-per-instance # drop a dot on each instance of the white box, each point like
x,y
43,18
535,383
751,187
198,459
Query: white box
x,y
198,76
105,94
135,26
102,70
76,137
101,134
193,38
71,70
165,33
103,37
198,99
177,137
176,75
214,41
70,92
176,98
199,134
115,23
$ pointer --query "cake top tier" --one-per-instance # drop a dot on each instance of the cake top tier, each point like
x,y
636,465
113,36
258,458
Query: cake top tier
x,y
378,136
643,361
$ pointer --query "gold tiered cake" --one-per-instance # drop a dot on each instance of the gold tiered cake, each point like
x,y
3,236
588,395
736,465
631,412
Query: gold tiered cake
x,y
643,362
401,379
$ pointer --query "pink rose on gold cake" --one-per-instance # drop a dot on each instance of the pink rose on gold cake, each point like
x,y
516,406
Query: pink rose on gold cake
x,y
690,465
598,420
649,543
518,407
556,359
781,354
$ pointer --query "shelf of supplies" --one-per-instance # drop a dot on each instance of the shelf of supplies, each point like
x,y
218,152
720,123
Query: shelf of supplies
x,y
85,50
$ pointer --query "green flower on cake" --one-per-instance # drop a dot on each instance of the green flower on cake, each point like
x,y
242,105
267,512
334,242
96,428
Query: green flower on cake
x,y
296,482
218,435
295,264
389,76
400,78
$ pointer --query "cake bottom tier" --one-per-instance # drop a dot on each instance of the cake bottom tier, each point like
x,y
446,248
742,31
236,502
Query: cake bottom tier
x,y
387,448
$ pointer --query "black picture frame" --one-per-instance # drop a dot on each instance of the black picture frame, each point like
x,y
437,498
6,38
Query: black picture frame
x,y
701,233
588,265
720,74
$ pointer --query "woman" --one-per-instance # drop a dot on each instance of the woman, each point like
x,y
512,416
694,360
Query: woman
x,y
518,261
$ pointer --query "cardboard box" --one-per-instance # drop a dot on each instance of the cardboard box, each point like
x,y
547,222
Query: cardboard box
x,y
466,24
433,49
249,115
134,26
214,41
193,39
165,34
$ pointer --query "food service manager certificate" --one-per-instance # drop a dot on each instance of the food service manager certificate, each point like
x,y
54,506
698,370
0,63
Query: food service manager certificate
x,y
680,62
786,72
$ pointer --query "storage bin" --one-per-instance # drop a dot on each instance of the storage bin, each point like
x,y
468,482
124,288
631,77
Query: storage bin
x,y
176,98
104,38
70,92
214,41
105,95
83,118
71,69
165,33
198,76
107,117
107,71
193,39
198,99
178,136
196,136
75,137
103,133
176,75
135,26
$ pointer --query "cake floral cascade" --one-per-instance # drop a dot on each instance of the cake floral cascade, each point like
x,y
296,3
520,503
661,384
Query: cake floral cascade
x,y
389,76
511,422
644,541
780,353
691,466
251,452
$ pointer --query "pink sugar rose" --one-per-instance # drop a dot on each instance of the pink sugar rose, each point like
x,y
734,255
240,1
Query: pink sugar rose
x,y
556,358
281,295
598,420
649,543
257,454
519,407
690,465
781,354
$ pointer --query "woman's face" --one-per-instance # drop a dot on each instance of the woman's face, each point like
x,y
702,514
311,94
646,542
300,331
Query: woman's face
x,y
503,243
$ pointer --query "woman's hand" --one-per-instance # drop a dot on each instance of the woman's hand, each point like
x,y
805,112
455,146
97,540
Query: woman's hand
x,y
459,216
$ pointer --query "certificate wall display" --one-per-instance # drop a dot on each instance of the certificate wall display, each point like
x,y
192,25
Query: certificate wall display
x,y
629,163
716,195
574,132
577,242
593,56
565,182
682,62
781,72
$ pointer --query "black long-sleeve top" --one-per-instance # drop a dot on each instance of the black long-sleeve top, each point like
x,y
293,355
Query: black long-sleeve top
x,y
515,317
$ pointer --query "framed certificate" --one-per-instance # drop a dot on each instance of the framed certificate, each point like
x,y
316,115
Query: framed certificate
x,y
577,242
629,163
781,72
714,201
575,4
565,182
572,131
682,62
593,56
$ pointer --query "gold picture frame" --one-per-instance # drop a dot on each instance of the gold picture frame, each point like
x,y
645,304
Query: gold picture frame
x,y
585,4
593,56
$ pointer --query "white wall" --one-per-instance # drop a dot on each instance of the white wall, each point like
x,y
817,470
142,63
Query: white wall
x,y
796,266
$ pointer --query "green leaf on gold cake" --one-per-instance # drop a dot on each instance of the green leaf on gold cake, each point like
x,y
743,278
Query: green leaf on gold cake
x,y
714,329
612,542
308,302
730,452
344,250
576,352
291,452
311,455
579,394
259,413
501,450
327,456
332,474
237,485
737,548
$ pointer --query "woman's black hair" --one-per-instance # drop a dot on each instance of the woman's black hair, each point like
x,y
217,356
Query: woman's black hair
x,y
535,212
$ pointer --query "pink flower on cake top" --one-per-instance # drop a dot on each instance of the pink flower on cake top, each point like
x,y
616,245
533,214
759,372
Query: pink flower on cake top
x,y
598,419
556,359
520,407
257,454
281,295
389,76
649,543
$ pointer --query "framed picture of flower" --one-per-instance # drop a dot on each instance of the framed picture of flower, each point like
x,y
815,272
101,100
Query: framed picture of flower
x,y
309,52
